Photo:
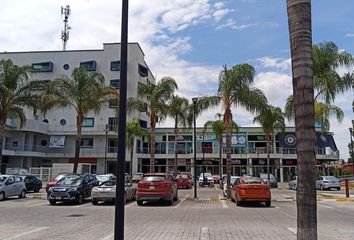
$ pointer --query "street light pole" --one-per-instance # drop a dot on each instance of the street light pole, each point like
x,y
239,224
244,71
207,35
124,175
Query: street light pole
x,y
352,148
204,180
105,149
120,188
195,100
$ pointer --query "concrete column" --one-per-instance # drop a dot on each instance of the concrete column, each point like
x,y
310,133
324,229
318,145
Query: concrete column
x,y
281,170
250,170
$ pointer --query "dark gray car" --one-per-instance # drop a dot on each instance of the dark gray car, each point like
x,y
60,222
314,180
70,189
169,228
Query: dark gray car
x,y
272,180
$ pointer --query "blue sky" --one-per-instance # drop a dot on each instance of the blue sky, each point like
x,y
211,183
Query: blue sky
x,y
190,40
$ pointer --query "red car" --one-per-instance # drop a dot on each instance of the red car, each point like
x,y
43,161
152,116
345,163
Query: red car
x,y
54,181
251,189
183,181
156,187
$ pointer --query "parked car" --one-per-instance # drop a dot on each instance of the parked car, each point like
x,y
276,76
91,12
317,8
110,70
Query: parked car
x,y
137,177
190,176
72,188
216,178
156,187
54,181
32,183
105,178
293,183
251,189
209,180
11,185
232,181
183,181
272,180
327,182
106,192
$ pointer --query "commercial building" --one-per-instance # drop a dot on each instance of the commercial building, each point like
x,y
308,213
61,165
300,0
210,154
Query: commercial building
x,y
249,155
50,138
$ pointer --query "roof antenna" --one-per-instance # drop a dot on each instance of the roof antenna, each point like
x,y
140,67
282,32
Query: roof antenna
x,y
65,33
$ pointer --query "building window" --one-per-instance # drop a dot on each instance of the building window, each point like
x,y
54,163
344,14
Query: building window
x,y
66,66
89,65
143,123
112,145
62,122
86,143
115,83
143,71
115,66
42,67
88,122
112,123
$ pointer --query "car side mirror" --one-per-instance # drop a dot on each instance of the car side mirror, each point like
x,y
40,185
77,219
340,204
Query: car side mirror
x,y
9,183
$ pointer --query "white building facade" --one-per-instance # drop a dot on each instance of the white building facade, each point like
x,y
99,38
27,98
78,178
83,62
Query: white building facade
x,y
49,139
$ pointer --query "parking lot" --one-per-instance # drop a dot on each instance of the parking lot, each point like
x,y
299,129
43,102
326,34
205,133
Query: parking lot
x,y
210,217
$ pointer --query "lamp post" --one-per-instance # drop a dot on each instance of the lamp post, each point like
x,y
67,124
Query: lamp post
x,y
120,172
203,169
352,148
195,100
105,149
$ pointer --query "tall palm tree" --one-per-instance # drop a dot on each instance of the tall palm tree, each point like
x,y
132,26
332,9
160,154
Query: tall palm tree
x,y
153,99
178,110
16,92
218,129
235,89
299,20
271,119
83,92
133,131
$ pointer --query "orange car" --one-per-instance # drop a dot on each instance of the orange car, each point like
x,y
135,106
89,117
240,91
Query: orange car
x,y
251,189
155,187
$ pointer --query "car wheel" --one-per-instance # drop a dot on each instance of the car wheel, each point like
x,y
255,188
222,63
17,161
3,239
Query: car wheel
x,y
322,188
94,202
22,194
52,202
176,197
80,199
238,203
268,203
170,201
2,196
338,188
140,203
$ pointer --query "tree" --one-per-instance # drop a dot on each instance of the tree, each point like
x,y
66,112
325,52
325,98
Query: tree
x,y
83,92
178,110
299,19
16,92
218,129
235,89
153,99
133,131
271,119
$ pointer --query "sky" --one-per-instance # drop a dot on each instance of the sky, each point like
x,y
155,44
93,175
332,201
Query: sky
x,y
190,40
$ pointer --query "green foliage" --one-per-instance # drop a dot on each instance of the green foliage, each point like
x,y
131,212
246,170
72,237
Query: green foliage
x,y
346,172
336,172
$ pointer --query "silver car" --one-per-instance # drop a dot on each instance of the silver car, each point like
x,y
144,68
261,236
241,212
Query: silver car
x,y
11,185
327,182
232,181
293,183
106,192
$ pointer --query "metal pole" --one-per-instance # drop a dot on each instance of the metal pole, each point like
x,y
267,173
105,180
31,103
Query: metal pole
x,y
195,146
203,167
352,148
119,201
105,150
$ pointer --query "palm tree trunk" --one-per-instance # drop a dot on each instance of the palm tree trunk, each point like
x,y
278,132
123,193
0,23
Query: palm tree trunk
x,y
2,133
79,120
268,162
228,121
131,160
299,19
220,157
153,136
176,154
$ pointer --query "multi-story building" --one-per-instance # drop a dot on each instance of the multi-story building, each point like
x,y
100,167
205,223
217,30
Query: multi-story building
x,y
249,155
50,138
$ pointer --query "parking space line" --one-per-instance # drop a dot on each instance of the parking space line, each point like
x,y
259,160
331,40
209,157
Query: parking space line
x,y
180,201
204,233
26,233
292,230
108,237
133,203
223,202
39,204
325,206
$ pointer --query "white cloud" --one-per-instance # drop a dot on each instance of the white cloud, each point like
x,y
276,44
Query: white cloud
x,y
278,63
231,23
349,35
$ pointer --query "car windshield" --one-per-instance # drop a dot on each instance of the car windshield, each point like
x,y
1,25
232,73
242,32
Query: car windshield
x,y
2,178
109,183
332,178
182,176
253,181
265,176
71,180
233,179
60,176
137,176
153,178
104,178
206,175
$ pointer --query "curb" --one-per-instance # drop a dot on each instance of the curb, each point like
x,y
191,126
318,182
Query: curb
x,y
337,198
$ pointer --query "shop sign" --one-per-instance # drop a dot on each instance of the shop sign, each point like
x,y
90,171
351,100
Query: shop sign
x,y
290,162
237,140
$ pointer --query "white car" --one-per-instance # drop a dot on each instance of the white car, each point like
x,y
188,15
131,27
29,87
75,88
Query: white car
x,y
293,183
209,180
11,185
232,181
106,192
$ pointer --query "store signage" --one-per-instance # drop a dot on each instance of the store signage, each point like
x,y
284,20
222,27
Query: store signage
x,y
237,140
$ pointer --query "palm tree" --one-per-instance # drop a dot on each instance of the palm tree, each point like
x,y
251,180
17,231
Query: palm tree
x,y
153,99
270,119
235,89
218,129
178,110
83,92
299,19
133,131
16,92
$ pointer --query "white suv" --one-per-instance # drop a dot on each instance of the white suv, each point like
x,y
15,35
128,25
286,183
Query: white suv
x,y
12,185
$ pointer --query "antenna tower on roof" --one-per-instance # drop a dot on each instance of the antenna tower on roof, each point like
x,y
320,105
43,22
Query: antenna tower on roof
x,y
65,33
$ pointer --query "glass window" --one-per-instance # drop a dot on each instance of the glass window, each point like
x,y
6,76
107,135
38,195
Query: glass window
x,y
153,178
112,145
66,66
115,66
18,179
86,142
112,123
143,123
115,83
89,65
88,122
143,71
42,67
